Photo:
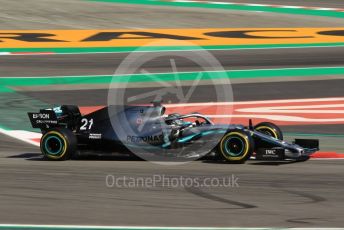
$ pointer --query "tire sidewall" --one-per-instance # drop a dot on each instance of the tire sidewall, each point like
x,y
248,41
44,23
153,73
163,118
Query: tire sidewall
x,y
271,128
247,150
65,137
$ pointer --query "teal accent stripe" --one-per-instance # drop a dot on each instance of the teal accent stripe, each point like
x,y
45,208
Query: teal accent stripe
x,y
205,133
312,12
7,82
185,139
75,50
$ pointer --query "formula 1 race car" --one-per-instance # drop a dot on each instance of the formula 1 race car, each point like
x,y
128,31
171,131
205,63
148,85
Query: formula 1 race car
x,y
147,132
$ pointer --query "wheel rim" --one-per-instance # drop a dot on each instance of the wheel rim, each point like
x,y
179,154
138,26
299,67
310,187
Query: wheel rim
x,y
234,146
242,150
53,145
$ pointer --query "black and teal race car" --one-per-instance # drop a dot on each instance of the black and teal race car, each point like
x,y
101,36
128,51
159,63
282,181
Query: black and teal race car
x,y
147,132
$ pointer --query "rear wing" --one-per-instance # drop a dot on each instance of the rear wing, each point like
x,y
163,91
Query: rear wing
x,y
67,116
45,119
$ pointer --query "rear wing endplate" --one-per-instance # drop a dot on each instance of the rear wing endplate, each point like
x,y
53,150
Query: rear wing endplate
x,y
43,120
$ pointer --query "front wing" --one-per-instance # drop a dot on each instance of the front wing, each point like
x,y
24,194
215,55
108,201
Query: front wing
x,y
281,150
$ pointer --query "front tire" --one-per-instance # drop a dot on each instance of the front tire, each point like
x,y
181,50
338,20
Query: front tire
x,y
269,129
58,144
236,146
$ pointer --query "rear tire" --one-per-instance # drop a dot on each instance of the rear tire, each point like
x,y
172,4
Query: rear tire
x,y
58,144
236,146
269,129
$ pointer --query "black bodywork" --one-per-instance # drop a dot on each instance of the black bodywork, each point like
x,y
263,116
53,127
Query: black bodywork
x,y
145,130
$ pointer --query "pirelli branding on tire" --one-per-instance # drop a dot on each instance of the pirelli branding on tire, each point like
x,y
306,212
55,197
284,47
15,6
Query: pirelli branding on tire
x,y
167,37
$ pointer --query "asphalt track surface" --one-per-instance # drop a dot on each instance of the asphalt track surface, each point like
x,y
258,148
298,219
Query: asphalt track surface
x,y
280,194
306,194
89,64
80,14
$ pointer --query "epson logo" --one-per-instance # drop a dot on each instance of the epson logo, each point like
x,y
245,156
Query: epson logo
x,y
41,116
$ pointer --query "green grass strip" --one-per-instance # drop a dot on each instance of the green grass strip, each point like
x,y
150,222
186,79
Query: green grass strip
x,y
74,50
5,89
312,12
7,82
